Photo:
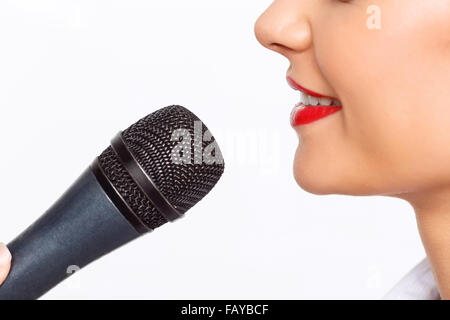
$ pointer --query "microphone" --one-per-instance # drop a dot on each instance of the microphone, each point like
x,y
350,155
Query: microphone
x,y
151,174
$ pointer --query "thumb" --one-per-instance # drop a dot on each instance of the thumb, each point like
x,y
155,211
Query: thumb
x,y
5,262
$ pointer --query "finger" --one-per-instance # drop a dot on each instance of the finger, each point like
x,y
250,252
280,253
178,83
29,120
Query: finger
x,y
5,262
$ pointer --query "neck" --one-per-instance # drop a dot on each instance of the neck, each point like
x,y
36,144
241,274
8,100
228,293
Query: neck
x,y
433,219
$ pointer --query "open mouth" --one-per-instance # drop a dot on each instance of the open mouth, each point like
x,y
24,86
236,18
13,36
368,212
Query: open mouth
x,y
312,105
311,98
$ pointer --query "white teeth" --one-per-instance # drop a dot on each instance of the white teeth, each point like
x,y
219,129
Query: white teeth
x,y
313,101
308,100
304,98
325,102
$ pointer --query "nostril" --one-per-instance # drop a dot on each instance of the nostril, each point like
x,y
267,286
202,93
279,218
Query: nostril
x,y
265,36
280,48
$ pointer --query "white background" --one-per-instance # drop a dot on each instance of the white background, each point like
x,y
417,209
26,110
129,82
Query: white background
x,y
73,73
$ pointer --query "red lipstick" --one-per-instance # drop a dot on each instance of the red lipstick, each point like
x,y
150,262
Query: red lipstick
x,y
304,113
294,85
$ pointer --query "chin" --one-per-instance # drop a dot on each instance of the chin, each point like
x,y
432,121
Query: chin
x,y
323,174
313,175
313,183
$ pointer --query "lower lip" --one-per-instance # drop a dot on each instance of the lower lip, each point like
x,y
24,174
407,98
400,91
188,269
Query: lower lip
x,y
303,115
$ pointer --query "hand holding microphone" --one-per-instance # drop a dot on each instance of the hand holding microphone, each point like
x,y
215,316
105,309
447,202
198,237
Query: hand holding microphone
x,y
5,262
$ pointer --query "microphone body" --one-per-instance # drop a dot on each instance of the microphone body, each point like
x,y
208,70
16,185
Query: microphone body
x,y
82,226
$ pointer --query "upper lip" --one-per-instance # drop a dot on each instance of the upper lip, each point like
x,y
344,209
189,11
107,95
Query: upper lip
x,y
294,85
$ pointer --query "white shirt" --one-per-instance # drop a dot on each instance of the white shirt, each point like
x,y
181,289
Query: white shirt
x,y
418,284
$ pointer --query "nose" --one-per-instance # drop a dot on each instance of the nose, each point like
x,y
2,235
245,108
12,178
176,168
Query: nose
x,y
284,28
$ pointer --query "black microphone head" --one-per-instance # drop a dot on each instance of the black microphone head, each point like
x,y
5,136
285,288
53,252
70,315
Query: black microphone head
x,y
178,154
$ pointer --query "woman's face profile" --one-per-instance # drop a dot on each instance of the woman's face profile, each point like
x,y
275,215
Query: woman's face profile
x,y
388,64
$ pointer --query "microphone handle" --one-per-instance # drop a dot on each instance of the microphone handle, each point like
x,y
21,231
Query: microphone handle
x,y
82,226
